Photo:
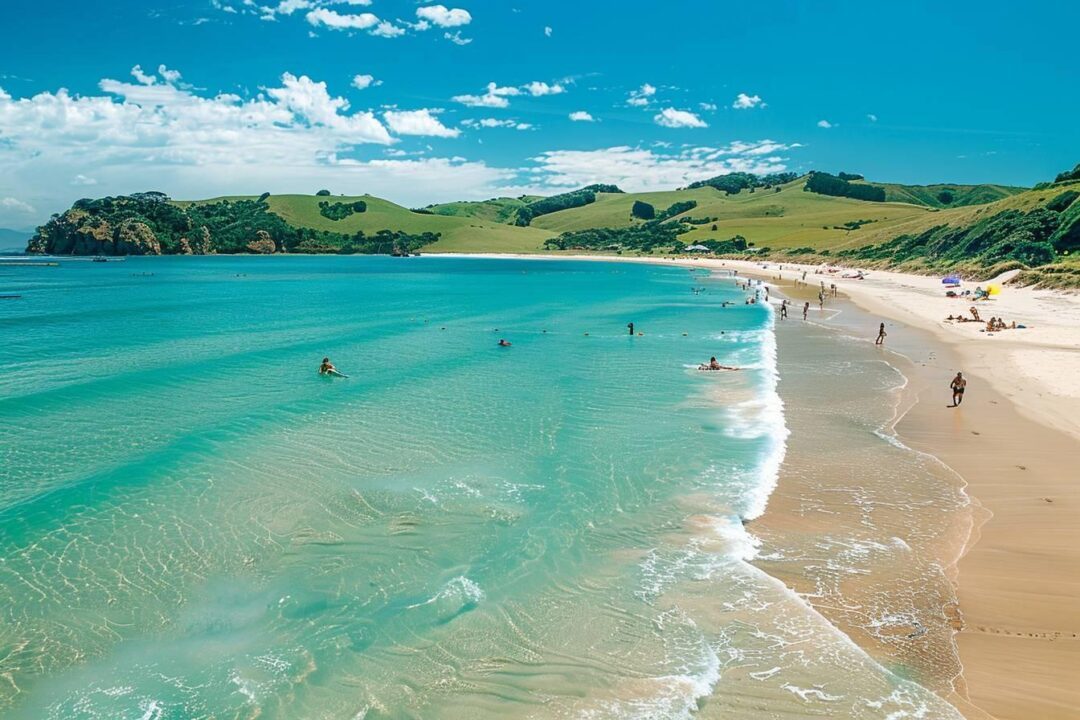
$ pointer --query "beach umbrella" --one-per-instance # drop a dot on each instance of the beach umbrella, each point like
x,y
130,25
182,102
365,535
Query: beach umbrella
x,y
993,289
950,280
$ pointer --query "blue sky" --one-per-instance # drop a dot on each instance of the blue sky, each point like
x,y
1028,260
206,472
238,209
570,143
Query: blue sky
x,y
424,102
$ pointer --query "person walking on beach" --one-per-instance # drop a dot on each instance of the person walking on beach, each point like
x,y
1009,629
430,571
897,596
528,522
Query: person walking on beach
x,y
783,309
958,384
805,309
881,335
821,300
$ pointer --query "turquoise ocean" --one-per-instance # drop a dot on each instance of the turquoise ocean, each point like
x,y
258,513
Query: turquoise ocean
x,y
195,524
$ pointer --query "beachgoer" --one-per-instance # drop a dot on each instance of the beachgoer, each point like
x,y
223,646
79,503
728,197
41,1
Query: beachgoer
x,y
714,365
503,343
958,384
881,335
783,309
821,300
631,326
327,367
975,313
805,309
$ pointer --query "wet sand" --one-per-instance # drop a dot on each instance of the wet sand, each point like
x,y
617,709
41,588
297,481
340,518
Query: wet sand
x,y
1013,556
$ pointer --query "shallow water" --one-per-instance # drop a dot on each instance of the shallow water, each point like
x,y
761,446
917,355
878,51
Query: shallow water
x,y
193,524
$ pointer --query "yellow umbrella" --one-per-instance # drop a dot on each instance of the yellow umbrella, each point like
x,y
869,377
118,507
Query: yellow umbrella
x,y
993,289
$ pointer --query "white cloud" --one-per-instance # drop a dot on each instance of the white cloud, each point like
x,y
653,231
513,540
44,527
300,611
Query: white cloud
x,y
746,102
285,7
640,97
172,77
538,89
672,118
16,206
642,170
872,117
189,144
336,21
494,97
824,124
418,122
496,123
708,107
456,38
387,29
363,82
143,78
548,31
443,17
309,101
581,116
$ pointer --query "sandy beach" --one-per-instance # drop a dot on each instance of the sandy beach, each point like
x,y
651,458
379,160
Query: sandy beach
x,y
1014,442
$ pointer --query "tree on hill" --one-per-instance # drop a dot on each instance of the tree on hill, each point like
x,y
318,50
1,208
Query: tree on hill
x,y
732,183
823,183
945,197
1069,175
642,210
323,193
562,201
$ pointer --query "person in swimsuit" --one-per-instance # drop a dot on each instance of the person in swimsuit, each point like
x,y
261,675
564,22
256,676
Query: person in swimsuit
x,y
631,327
714,365
503,343
805,310
881,335
958,384
327,367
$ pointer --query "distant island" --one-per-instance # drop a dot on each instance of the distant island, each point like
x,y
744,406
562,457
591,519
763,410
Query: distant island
x,y
817,217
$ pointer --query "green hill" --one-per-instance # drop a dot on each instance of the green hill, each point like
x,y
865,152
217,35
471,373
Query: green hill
x,y
947,195
458,233
496,210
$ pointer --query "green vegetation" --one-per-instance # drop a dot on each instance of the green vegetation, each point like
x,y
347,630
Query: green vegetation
x,y
947,195
825,184
150,224
677,208
1069,175
1061,202
555,203
1036,230
732,183
642,210
340,211
496,210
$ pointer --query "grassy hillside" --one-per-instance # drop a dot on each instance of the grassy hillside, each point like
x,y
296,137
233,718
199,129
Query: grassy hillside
x,y
789,218
459,233
947,195
496,210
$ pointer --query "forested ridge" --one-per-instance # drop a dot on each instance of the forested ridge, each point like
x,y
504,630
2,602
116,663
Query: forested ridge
x,y
149,223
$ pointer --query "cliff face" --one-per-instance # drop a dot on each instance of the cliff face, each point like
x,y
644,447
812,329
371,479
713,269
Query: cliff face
x,y
76,232
263,244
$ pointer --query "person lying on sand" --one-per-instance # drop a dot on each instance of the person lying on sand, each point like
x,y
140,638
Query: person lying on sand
x,y
714,365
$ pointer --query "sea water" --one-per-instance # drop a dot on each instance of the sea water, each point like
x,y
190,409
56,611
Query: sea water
x,y
195,524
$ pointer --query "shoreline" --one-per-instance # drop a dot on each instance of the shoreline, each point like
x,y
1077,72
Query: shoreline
x,y
1017,573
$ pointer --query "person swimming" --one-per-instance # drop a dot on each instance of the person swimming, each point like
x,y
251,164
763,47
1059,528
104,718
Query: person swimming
x,y
714,365
503,343
327,369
